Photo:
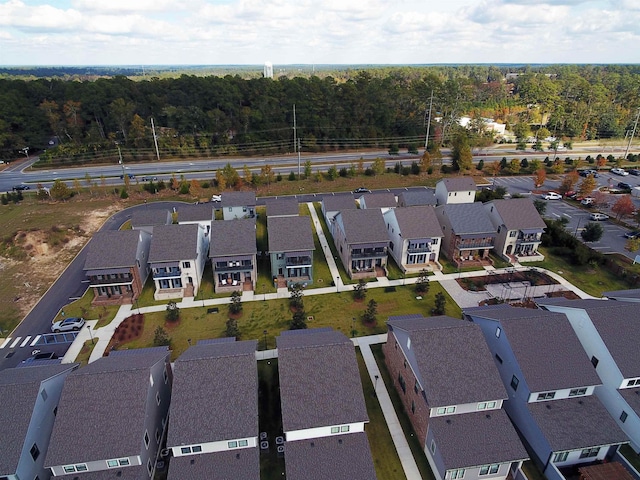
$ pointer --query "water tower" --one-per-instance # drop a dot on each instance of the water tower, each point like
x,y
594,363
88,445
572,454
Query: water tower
x,y
268,70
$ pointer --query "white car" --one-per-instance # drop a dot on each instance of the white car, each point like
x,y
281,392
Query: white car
x,y
552,196
216,198
598,216
620,171
68,325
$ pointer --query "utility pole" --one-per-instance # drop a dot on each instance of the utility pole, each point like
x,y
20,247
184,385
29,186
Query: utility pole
x,y
426,139
120,162
155,139
633,132
296,144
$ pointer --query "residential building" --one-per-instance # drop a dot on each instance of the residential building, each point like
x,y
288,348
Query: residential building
x,y
213,431
113,415
453,397
469,235
282,207
177,257
381,200
117,265
413,198
233,255
236,205
361,239
519,227
146,218
334,204
291,249
631,295
550,382
199,213
415,237
323,408
453,190
608,332
29,399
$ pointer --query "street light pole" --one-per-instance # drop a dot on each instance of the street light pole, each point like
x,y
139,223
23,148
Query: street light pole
x,y
337,286
265,339
90,335
120,161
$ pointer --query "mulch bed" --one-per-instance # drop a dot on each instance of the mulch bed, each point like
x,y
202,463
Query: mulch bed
x,y
478,283
130,329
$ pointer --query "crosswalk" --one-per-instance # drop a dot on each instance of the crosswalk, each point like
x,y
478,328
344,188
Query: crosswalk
x,y
29,340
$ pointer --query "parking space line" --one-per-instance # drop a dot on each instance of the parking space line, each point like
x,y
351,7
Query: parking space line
x,y
24,342
4,344
35,340
15,342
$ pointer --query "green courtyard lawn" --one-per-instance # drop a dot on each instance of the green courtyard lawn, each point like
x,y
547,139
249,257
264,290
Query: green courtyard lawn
x,y
83,308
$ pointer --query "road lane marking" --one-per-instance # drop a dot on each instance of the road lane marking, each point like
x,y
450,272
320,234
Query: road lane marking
x,y
4,344
35,340
15,342
24,342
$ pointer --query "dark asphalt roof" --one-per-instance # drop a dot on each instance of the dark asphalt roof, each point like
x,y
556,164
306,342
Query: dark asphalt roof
x,y
319,381
620,294
632,396
545,346
242,464
200,212
363,226
379,200
174,243
137,472
451,375
459,184
215,394
19,389
518,213
283,206
575,423
237,199
102,409
417,222
337,203
342,457
488,437
112,249
417,197
233,237
467,218
147,217
290,234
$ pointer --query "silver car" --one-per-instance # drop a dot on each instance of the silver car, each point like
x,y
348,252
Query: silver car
x,y
68,325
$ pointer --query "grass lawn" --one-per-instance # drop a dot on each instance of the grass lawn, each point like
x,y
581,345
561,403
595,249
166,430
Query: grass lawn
x,y
343,273
414,444
270,416
83,308
85,352
532,471
321,273
383,451
448,267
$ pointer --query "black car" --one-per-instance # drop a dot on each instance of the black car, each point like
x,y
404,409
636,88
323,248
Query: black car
x,y
362,190
21,187
38,355
634,171
624,186
586,173
633,234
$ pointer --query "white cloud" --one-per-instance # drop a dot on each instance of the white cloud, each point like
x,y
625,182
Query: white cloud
x,y
124,6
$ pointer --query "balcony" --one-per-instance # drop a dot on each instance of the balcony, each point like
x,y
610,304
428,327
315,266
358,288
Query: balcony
x,y
415,249
162,273
105,280
531,238
473,245
233,266
377,253
298,262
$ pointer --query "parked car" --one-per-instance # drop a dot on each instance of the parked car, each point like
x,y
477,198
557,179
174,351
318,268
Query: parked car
x,y
216,198
362,190
624,185
21,187
586,173
634,171
587,201
38,355
620,171
633,234
552,196
598,216
68,325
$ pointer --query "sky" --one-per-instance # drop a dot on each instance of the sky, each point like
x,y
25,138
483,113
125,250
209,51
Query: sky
x,y
252,32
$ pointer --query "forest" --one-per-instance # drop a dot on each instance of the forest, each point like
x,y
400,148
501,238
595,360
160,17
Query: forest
x,y
81,121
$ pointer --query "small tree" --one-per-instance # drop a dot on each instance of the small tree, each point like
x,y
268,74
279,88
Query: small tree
x,y
592,232
587,186
422,284
307,169
370,313
541,206
623,207
299,320
173,312
539,177
231,329
296,299
235,306
632,245
440,304
160,337
360,290
60,191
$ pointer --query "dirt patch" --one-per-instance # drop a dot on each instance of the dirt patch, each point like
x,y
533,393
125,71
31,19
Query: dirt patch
x,y
130,329
476,284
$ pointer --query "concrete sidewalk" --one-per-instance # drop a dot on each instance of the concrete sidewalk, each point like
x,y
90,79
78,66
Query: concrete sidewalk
x,y
333,267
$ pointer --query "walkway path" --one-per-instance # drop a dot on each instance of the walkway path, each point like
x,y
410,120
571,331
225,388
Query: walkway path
x,y
333,267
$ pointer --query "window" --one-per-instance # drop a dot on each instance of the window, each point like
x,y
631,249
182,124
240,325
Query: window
x,y
344,428
146,439
415,387
232,444
186,264
499,359
158,398
441,411
576,392
402,383
157,436
560,457
165,374
514,383
35,452
149,466
631,383
433,446
408,348
595,361
405,363
44,395
81,467
196,449
455,474
112,463
498,332
546,396
185,450
513,233
491,404
151,379
123,462
118,462
435,242
451,409
413,406
482,405
69,469
487,469
623,416
243,443
589,452
335,429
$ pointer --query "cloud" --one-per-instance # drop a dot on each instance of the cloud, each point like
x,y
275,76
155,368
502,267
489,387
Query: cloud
x,y
126,6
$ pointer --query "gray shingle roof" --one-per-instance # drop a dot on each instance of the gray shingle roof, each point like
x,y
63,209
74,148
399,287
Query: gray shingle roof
x,y
451,375
459,184
173,243
237,199
215,394
290,234
379,200
477,438
467,218
363,226
282,206
518,213
622,294
233,237
150,217
102,409
337,203
18,394
545,346
632,396
343,457
243,464
575,423
417,222
417,197
319,381
200,212
138,472
112,249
